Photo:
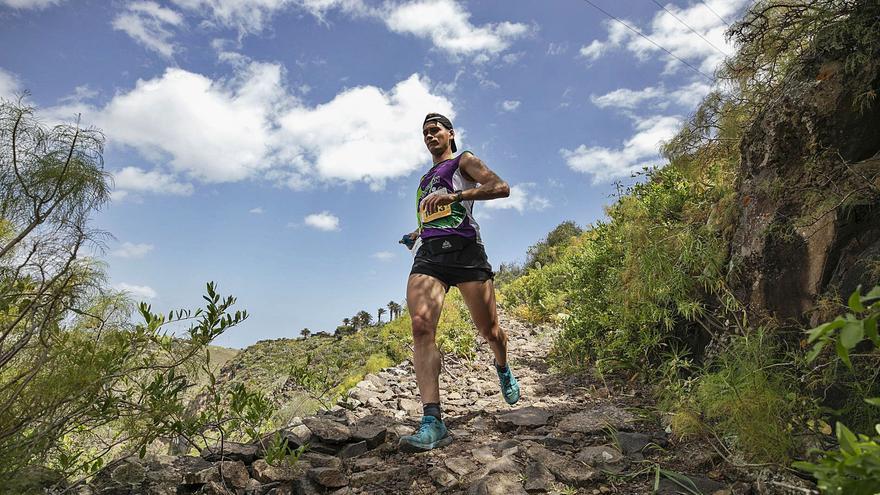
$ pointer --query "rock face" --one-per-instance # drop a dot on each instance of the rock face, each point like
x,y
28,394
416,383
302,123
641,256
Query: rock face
x,y
790,245
568,435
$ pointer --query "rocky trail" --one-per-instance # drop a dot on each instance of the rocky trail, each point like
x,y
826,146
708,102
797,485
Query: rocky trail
x,y
567,435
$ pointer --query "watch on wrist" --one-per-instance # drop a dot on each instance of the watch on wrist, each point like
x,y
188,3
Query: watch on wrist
x,y
458,195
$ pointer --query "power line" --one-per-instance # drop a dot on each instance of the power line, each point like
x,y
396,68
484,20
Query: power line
x,y
716,13
698,71
687,26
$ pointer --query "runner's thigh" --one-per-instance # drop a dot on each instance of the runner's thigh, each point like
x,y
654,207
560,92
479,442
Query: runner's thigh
x,y
480,300
424,298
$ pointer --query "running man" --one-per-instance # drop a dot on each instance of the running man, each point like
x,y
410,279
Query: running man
x,y
448,251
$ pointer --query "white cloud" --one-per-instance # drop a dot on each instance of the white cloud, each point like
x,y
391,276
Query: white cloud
x,y
252,16
690,95
80,94
363,134
131,250
9,85
670,33
383,256
29,4
607,163
593,51
215,131
147,23
659,97
251,126
447,24
521,199
510,105
616,34
512,58
138,291
325,221
627,98
256,211
557,48
134,179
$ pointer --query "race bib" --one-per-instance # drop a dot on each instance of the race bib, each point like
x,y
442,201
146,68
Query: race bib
x,y
443,211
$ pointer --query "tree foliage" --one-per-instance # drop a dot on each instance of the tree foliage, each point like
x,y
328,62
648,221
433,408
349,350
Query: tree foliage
x,y
79,382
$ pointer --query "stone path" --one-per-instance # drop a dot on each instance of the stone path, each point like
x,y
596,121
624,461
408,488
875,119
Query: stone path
x,y
567,435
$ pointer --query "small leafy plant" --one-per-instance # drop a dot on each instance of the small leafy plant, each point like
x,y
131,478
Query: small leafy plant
x,y
855,467
278,453
846,332
852,470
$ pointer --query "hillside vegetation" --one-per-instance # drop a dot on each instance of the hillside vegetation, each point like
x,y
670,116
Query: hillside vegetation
x,y
302,375
704,275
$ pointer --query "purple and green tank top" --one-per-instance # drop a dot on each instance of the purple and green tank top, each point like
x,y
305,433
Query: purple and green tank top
x,y
446,177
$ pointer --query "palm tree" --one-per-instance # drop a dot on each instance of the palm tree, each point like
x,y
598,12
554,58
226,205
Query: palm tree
x,y
391,312
396,309
379,313
365,318
305,332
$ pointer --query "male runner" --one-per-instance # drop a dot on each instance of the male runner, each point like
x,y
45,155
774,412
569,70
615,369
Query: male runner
x,y
448,251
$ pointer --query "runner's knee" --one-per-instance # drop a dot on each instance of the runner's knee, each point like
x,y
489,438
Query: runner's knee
x,y
422,327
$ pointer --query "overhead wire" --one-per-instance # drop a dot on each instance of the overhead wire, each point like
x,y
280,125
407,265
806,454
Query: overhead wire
x,y
716,13
692,29
676,57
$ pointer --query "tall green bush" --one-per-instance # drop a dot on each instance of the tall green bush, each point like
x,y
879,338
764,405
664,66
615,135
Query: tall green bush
x,y
79,382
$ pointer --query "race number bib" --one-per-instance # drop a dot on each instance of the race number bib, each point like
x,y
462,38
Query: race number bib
x,y
443,211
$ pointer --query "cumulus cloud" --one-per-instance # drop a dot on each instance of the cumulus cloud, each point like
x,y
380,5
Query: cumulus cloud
x,y
9,84
325,221
446,23
521,199
133,179
215,131
29,4
131,250
510,105
148,24
363,134
137,291
250,126
609,163
667,30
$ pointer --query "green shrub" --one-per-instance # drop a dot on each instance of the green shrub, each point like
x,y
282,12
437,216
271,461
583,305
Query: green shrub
x,y
855,467
750,399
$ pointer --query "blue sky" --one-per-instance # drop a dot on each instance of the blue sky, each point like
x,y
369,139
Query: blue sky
x,y
274,146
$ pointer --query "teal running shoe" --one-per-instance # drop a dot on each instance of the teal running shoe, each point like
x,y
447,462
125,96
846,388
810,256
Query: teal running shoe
x,y
432,434
509,386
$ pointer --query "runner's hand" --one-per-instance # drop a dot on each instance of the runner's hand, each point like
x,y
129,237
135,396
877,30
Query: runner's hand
x,y
409,240
434,201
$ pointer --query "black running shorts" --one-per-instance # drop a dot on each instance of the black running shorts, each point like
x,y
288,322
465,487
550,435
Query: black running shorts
x,y
453,259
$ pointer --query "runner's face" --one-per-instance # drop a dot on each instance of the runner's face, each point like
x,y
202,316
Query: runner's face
x,y
436,137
